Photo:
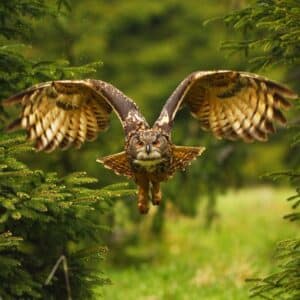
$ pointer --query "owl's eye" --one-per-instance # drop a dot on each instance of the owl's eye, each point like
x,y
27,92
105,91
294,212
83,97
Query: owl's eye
x,y
140,143
156,143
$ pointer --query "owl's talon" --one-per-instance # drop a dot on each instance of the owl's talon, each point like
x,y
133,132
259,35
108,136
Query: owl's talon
x,y
143,208
156,201
156,193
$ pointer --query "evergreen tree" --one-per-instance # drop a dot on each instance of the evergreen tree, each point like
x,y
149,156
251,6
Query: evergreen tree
x,y
44,219
273,28
285,282
271,31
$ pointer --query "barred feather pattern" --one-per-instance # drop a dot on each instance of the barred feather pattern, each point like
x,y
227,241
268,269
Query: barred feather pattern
x,y
233,105
119,163
61,114
238,105
183,157
243,108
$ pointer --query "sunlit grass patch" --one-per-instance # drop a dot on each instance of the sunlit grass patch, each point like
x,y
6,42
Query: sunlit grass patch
x,y
190,262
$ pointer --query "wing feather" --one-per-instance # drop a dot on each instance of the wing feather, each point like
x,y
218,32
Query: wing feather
x,y
233,105
66,113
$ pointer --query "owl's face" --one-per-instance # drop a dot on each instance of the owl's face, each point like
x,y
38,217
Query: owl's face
x,y
148,145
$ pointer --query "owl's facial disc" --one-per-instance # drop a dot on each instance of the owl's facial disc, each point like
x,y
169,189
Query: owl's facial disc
x,y
148,146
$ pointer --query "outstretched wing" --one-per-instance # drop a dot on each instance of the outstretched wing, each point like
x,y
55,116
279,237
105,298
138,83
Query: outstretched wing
x,y
230,104
60,114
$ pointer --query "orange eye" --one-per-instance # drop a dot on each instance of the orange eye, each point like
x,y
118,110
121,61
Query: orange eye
x,y
140,143
156,143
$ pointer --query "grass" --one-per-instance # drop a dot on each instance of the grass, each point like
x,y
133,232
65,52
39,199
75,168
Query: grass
x,y
189,262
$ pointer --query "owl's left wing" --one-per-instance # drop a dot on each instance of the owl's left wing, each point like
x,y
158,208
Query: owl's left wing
x,y
233,105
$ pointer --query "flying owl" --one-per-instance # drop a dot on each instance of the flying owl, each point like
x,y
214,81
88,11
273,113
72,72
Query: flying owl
x,y
232,105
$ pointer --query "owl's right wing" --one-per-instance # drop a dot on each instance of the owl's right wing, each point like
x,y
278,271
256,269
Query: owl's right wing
x,y
65,113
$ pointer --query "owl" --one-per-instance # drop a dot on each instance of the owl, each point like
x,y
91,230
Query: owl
x,y
230,104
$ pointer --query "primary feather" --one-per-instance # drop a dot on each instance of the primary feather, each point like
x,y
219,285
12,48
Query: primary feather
x,y
66,113
233,105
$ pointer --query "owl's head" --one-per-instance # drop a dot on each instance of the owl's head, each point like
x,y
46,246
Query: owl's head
x,y
147,145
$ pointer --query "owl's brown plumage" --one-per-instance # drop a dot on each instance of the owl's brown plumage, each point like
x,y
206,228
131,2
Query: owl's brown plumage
x,y
66,113
232,105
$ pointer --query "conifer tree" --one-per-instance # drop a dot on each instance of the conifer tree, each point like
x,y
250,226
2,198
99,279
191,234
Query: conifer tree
x,y
44,219
273,28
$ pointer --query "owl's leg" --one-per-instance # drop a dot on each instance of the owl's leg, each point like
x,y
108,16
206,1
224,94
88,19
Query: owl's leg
x,y
156,193
143,194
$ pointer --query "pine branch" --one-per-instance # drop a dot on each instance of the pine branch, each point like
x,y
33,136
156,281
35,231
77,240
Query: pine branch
x,y
272,33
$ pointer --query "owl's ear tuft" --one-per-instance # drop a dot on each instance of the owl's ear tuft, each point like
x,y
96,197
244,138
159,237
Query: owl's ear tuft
x,y
183,156
118,163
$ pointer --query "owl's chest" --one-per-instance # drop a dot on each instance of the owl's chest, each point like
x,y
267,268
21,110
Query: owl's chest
x,y
155,166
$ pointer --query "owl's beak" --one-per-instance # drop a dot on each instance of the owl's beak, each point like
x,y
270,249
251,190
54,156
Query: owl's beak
x,y
148,149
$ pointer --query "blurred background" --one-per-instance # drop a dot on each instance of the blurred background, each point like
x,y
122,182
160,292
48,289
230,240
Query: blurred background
x,y
219,220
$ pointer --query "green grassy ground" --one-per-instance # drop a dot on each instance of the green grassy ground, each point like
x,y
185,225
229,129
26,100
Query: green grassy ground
x,y
189,262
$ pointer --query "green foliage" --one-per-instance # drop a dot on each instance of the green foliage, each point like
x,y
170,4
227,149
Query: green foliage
x,y
272,31
285,283
43,217
191,263
18,73
16,16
